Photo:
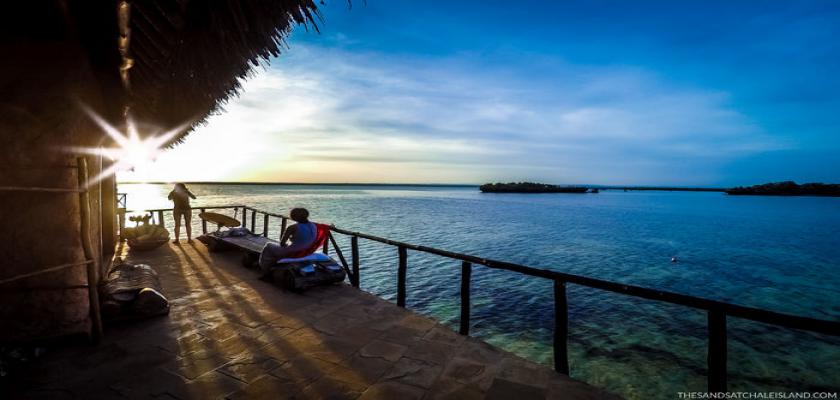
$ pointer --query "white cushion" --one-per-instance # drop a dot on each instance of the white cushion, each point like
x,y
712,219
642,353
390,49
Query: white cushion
x,y
314,257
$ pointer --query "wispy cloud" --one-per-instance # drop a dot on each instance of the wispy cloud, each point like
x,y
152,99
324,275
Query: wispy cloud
x,y
328,114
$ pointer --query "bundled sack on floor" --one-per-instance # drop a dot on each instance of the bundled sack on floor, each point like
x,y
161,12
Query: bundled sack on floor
x,y
133,291
146,236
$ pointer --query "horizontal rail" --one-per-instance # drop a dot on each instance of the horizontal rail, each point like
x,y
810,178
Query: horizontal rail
x,y
733,310
755,314
40,189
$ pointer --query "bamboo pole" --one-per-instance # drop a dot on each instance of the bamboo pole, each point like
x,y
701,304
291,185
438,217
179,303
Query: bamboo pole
x,y
84,231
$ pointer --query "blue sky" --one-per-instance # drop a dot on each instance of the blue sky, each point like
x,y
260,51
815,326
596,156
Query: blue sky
x,y
660,93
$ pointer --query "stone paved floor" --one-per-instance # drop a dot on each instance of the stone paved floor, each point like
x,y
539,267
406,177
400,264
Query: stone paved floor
x,y
230,335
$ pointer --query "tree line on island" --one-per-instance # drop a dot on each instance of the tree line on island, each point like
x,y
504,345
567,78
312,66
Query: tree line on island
x,y
787,188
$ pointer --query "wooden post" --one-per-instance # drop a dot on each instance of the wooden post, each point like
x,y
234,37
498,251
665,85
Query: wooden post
x,y
717,351
339,253
160,219
466,273
354,248
561,328
282,227
121,216
326,249
265,225
203,224
253,222
93,264
401,277
244,217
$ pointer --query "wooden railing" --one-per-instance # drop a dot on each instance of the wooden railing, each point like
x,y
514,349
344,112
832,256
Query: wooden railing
x,y
717,312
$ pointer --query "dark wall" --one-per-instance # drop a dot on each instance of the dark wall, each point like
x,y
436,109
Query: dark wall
x,y
52,60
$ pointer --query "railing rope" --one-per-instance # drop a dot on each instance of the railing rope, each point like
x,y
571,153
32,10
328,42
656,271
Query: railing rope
x,y
561,328
401,276
717,351
466,274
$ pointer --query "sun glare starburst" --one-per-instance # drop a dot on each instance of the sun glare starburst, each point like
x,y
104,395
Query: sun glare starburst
x,y
132,152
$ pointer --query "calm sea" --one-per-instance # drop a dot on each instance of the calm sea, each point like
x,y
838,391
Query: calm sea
x,y
778,253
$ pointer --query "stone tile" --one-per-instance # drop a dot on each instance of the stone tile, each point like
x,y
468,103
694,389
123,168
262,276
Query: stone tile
x,y
249,368
330,389
196,363
304,370
480,352
413,372
416,322
392,390
445,335
213,385
150,384
267,388
186,344
382,349
503,390
448,389
401,335
464,370
364,369
334,325
431,352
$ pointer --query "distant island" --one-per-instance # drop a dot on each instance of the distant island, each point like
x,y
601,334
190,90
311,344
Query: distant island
x,y
788,188
530,187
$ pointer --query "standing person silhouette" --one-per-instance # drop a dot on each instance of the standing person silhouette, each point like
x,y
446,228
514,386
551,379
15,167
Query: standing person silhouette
x,y
180,196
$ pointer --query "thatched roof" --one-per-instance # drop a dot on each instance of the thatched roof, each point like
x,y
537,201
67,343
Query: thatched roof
x,y
167,61
184,58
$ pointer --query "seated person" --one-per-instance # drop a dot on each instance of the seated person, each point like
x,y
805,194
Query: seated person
x,y
301,236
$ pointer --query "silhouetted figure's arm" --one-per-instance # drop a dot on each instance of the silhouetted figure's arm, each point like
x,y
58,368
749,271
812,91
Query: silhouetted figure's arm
x,y
190,194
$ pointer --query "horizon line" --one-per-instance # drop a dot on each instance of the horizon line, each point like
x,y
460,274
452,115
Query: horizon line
x,y
637,187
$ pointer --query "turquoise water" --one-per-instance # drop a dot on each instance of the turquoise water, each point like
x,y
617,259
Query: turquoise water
x,y
778,253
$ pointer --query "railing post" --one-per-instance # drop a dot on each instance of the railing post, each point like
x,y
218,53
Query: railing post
x,y
282,227
717,351
244,217
354,249
92,265
265,225
561,328
401,277
203,224
160,219
466,273
253,222
326,249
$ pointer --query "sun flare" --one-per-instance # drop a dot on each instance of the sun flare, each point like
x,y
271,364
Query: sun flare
x,y
132,152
